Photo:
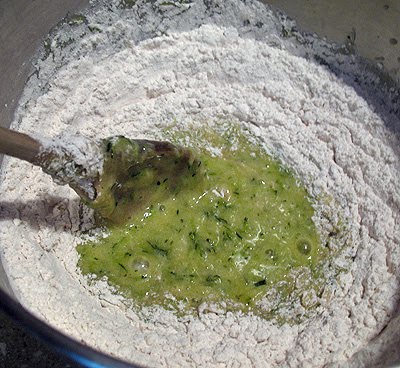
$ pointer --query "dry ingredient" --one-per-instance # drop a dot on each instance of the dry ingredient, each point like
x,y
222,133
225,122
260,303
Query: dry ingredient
x,y
132,68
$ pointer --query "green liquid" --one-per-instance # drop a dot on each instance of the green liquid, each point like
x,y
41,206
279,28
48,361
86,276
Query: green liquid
x,y
230,232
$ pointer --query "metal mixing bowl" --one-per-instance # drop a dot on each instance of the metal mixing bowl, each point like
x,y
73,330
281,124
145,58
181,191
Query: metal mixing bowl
x,y
371,27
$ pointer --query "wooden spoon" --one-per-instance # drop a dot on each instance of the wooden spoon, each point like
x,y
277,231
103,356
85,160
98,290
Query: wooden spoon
x,y
107,172
55,159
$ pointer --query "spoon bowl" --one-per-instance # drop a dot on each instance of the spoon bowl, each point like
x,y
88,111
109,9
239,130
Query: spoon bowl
x,y
115,176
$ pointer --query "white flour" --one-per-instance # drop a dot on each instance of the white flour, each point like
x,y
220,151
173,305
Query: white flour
x,y
121,79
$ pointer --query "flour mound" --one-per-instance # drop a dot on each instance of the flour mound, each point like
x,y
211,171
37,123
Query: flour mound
x,y
127,79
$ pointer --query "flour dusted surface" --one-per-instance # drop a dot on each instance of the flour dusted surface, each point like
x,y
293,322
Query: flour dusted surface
x,y
133,84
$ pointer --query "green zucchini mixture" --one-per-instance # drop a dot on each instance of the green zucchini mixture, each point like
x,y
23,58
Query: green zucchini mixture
x,y
232,226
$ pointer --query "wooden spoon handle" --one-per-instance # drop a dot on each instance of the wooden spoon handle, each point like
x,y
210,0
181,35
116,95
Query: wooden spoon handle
x,y
18,145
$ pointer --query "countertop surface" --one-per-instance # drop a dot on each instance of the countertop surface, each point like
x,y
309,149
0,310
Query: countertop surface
x,y
19,349
358,21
